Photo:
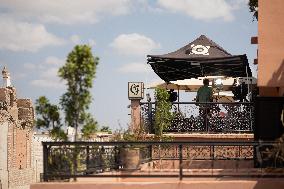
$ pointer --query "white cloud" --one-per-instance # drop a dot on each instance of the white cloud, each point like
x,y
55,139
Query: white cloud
x,y
47,73
52,60
23,36
29,66
133,44
92,42
66,11
44,83
50,73
202,9
135,68
75,39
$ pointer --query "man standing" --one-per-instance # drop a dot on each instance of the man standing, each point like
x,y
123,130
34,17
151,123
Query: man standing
x,y
204,94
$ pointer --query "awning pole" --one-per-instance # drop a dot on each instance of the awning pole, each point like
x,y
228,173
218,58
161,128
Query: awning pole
x,y
248,83
178,97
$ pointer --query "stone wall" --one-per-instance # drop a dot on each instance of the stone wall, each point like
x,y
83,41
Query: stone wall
x,y
16,121
20,178
37,154
3,155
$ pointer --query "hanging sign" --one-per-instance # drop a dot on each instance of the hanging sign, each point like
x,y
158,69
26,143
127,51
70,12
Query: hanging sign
x,y
135,90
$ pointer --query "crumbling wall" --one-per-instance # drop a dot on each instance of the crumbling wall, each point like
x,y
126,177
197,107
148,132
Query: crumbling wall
x,y
3,155
19,116
20,178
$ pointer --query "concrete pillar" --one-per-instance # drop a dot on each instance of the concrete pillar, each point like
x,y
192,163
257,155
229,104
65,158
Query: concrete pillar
x,y
135,115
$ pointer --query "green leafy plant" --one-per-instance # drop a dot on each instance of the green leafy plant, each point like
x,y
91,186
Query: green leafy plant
x,y
253,7
89,128
48,114
163,115
275,153
58,134
59,163
138,134
78,72
106,129
48,117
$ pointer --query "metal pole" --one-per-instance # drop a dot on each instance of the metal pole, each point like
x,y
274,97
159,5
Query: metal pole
x,y
212,149
150,117
248,83
180,162
87,157
178,97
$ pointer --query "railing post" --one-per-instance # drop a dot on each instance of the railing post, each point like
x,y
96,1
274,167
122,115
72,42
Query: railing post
x,y
150,152
206,117
45,162
212,158
87,157
75,159
180,162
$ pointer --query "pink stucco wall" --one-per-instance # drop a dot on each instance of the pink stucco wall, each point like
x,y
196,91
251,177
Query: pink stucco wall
x,y
271,45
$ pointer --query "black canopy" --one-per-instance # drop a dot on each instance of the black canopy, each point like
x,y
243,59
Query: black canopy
x,y
200,58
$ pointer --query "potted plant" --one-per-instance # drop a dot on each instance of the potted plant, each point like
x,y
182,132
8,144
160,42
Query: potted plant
x,y
130,155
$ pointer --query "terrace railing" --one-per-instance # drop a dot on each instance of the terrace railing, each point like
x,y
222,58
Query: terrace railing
x,y
65,160
210,117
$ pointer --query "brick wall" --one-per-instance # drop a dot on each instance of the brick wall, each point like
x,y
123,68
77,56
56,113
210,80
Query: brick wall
x,y
18,114
20,178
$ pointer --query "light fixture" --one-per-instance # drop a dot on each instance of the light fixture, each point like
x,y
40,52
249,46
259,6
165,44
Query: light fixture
x,y
148,97
218,83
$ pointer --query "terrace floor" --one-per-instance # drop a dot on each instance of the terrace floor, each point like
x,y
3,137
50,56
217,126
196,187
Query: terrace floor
x,y
165,183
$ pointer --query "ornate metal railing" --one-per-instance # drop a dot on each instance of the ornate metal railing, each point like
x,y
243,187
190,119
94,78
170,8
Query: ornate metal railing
x,y
204,117
65,160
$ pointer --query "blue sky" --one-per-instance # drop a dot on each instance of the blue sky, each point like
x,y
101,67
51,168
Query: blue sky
x,y
36,36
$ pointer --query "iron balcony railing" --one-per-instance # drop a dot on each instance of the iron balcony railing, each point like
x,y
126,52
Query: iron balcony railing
x,y
65,160
212,117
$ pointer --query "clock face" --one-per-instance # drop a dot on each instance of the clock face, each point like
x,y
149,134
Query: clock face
x,y
199,49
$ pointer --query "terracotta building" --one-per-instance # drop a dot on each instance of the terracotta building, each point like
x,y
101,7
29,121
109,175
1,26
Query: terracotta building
x,y
271,48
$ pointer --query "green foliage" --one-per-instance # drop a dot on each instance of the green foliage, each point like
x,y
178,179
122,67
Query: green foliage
x,y
59,163
253,7
47,113
48,117
276,153
163,114
139,134
78,72
58,134
90,127
106,129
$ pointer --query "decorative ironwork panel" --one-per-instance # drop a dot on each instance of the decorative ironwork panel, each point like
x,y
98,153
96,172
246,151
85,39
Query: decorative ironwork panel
x,y
246,152
204,117
196,152
165,152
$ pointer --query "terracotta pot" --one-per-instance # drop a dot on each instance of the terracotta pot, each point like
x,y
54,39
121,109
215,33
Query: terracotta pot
x,y
130,158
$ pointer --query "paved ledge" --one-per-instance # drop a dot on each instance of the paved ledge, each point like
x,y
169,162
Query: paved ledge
x,y
206,136
201,183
